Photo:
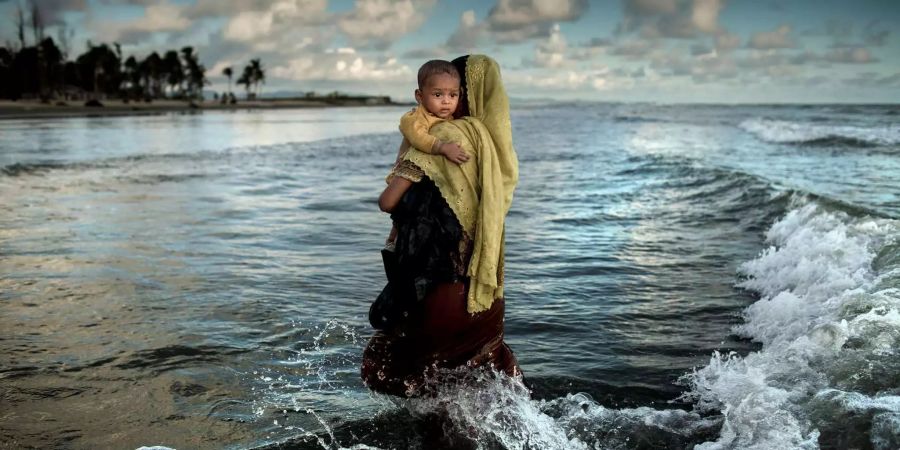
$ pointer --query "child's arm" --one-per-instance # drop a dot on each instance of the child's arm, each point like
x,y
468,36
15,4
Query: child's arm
x,y
415,128
392,194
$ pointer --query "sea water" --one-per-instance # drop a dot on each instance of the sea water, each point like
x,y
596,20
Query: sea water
x,y
712,277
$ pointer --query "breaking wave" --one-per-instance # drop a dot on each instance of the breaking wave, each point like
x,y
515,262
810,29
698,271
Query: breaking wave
x,y
789,132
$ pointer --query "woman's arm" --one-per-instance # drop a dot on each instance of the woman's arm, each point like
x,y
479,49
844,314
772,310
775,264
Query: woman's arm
x,y
392,194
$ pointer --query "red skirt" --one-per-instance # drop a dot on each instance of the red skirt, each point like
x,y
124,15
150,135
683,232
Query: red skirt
x,y
446,336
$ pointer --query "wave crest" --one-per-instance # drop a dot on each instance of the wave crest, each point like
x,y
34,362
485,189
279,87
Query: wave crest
x,y
828,319
788,132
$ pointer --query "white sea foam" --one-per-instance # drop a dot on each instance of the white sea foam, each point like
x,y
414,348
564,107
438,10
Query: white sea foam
x,y
492,409
782,131
830,328
495,411
829,322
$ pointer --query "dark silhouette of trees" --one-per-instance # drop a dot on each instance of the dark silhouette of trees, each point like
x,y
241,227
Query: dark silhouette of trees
x,y
246,79
254,74
259,74
228,73
131,79
43,70
99,70
174,70
195,73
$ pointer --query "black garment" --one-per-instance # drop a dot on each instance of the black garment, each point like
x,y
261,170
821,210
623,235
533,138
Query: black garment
x,y
426,253
428,238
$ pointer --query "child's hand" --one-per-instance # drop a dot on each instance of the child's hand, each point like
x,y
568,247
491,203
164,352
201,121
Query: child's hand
x,y
454,152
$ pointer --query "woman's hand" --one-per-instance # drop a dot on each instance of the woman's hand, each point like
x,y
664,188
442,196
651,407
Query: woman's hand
x,y
392,194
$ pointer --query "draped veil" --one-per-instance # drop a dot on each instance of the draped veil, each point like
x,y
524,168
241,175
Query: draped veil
x,y
480,191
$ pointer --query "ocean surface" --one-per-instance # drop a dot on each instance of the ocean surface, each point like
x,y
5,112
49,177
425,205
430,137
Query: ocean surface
x,y
709,277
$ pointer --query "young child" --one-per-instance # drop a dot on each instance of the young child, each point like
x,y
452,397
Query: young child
x,y
437,98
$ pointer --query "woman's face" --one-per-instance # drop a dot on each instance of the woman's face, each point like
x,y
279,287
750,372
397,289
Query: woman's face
x,y
440,95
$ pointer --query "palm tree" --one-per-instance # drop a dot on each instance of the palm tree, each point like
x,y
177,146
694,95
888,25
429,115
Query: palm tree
x,y
228,73
173,70
196,73
258,74
132,77
51,65
100,69
150,68
246,79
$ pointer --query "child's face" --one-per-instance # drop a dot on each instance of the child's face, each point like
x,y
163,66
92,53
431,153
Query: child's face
x,y
440,95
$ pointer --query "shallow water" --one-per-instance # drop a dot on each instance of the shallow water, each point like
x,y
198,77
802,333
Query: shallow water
x,y
202,281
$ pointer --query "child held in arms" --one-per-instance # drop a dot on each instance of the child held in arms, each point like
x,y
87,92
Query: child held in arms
x,y
437,98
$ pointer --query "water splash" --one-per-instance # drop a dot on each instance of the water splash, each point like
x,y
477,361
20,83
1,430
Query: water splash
x,y
828,320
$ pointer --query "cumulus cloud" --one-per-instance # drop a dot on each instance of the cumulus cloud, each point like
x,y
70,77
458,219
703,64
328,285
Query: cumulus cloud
x,y
705,15
157,18
273,20
569,80
515,21
671,18
378,23
344,66
778,38
226,8
634,48
854,55
551,53
467,34
515,14
726,42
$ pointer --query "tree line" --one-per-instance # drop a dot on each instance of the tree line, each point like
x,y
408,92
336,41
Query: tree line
x,y
44,71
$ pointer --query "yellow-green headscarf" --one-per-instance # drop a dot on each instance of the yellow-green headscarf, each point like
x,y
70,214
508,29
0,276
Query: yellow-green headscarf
x,y
480,190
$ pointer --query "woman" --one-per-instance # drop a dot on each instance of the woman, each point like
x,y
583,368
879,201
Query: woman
x,y
450,244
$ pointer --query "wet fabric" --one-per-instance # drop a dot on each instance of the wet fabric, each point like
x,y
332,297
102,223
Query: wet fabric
x,y
430,248
439,332
445,336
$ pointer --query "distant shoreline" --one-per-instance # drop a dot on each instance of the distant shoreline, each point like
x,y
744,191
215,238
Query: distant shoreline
x,y
33,109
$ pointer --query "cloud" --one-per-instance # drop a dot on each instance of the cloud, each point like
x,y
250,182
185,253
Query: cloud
x,y
844,55
517,14
515,21
872,79
551,53
51,11
227,8
158,18
426,53
378,23
854,55
705,15
344,66
671,18
254,24
565,81
634,48
778,38
874,35
726,42
468,33
700,49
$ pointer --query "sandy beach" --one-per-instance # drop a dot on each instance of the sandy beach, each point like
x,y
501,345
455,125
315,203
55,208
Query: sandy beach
x,y
33,109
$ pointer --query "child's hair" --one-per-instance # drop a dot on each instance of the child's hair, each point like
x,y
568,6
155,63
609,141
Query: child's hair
x,y
435,67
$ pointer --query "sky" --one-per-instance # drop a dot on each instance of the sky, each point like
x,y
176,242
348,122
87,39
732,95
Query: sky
x,y
663,51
